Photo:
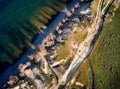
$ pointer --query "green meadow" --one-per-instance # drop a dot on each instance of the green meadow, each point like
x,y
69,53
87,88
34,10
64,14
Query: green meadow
x,y
101,70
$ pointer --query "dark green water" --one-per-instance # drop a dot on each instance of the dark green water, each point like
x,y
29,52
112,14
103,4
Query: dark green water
x,y
20,22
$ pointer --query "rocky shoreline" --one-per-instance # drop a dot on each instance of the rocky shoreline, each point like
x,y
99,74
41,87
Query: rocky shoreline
x,y
38,70
14,70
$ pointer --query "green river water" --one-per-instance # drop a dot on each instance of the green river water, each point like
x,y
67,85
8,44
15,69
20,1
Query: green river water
x,y
20,22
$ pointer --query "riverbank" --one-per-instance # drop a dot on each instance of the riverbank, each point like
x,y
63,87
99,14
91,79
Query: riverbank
x,y
25,49
20,22
13,70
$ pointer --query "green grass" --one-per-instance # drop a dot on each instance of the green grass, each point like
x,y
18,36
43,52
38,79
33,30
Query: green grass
x,y
83,75
105,57
65,50
94,6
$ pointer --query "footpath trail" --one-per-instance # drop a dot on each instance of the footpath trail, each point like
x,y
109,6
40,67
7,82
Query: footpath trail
x,y
13,70
86,46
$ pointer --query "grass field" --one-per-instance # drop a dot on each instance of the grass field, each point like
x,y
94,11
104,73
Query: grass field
x,y
105,57
104,61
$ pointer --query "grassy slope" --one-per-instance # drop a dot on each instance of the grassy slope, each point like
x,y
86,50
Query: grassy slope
x,y
105,58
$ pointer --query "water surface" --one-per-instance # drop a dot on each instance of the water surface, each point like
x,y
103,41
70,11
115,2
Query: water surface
x,y
20,22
